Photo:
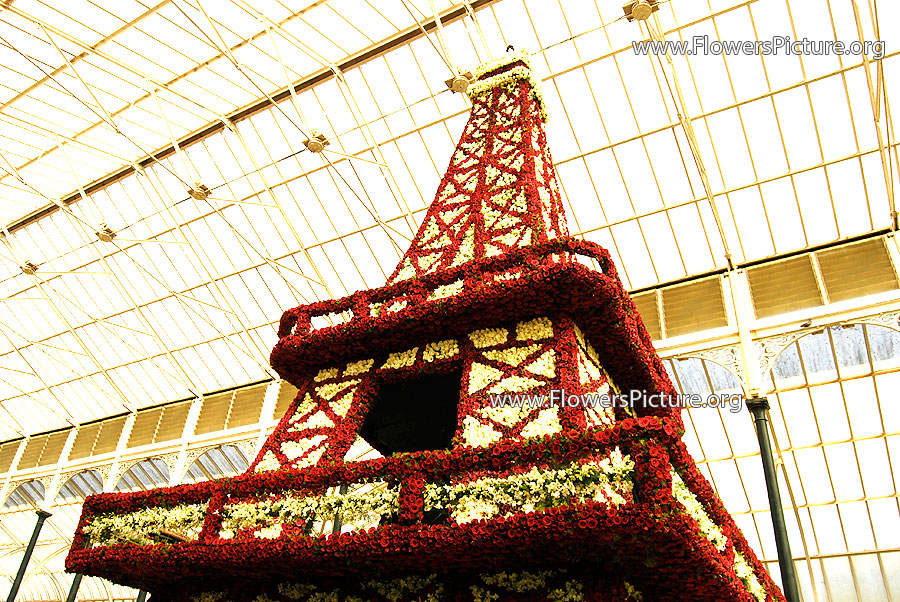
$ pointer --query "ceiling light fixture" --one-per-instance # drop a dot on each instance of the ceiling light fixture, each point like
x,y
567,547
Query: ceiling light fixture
x,y
29,267
459,83
316,141
640,9
199,192
105,233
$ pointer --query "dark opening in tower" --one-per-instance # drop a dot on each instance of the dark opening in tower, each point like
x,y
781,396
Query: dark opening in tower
x,y
414,414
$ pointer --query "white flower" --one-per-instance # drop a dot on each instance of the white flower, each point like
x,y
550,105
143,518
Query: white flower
x,y
446,290
513,355
537,329
440,350
606,480
695,509
268,462
476,434
401,359
140,527
488,337
745,573
328,391
295,449
359,367
325,374
305,406
547,423
481,375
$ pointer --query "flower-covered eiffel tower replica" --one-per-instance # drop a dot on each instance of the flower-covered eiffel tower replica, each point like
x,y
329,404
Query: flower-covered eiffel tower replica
x,y
484,373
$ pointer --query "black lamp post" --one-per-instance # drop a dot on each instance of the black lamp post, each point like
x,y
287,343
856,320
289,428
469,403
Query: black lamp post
x,y
73,591
758,406
42,515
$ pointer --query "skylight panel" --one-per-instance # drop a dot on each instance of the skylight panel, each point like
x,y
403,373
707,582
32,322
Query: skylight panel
x,y
50,15
842,463
519,29
876,197
580,196
581,110
664,248
751,472
690,438
848,196
887,520
729,486
771,19
612,194
857,526
870,577
460,43
635,259
815,206
816,25
715,441
812,462
692,238
753,223
798,127
339,30
890,413
831,412
783,213
745,70
876,467
363,16
797,410
764,138
396,14
835,127
613,103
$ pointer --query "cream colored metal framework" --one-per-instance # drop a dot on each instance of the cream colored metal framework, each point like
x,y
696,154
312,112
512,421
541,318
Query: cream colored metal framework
x,y
159,209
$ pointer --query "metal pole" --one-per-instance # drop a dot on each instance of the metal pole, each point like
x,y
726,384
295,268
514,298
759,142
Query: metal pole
x,y
142,595
42,515
758,406
73,591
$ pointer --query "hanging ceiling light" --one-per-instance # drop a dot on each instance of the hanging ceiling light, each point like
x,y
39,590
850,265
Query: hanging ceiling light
x,y
105,233
640,9
459,83
316,141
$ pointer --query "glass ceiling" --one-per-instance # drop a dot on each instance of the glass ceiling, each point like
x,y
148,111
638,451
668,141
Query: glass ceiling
x,y
179,295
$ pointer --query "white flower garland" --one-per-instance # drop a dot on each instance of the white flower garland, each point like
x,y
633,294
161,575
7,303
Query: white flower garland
x,y
604,480
745,573
401,359
264,516
488,337
137,527
686,498
325,374
440,350
360,367
713,533
268,463
446,290
536,330
395,589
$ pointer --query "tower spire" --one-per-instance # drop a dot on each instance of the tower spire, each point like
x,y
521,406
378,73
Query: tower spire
x,y
500,190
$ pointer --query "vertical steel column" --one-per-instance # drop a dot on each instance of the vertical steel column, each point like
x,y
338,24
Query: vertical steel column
x,y
73,591
142,595
42,515
758,406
